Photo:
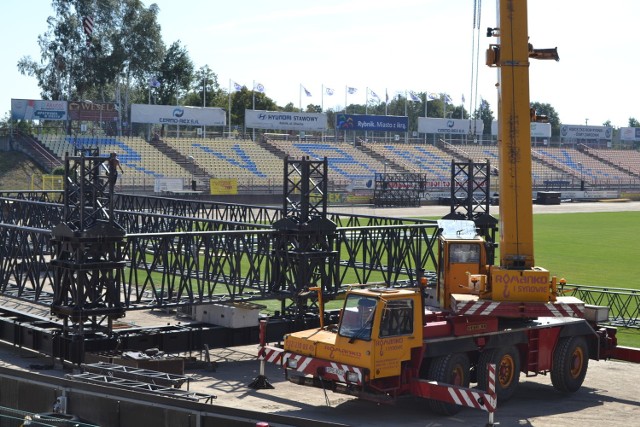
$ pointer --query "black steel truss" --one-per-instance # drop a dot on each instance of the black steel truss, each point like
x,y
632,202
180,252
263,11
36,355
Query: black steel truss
x,y
398,189
471,199
220,261
302,254
87,257
225,261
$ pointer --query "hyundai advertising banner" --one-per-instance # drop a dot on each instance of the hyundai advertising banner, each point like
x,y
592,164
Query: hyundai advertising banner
x,y
372,123
32,109
279,120
172,115
450,126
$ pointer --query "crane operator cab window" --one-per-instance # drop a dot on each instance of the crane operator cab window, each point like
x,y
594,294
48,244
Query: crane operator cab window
x,y
464,253
357,317
397,318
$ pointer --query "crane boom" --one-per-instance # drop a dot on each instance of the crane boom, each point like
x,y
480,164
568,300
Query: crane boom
x,y
514,138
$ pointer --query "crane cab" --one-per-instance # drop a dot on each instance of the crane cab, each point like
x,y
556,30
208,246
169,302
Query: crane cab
x,y
462,260
378,330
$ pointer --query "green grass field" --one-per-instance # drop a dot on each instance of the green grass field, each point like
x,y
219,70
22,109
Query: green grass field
x,y
593,249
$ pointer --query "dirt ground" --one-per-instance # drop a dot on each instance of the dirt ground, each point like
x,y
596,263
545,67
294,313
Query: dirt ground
x,y
609,396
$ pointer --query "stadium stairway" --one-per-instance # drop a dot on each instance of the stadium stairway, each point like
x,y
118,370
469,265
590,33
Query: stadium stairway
x,y
393,165
199,174
37,151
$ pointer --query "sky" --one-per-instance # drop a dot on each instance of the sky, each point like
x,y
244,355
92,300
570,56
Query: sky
x,y
383,46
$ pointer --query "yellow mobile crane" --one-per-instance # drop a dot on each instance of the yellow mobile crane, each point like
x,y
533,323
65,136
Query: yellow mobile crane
x,y
389,342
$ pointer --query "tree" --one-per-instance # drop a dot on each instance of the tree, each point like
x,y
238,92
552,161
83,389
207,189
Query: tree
x,y
633,123
485,114
175,74
211,95
124,32
290,108
552,115
244,99
435,108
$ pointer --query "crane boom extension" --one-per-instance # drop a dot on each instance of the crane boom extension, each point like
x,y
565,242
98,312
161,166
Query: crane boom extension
x,y
516,278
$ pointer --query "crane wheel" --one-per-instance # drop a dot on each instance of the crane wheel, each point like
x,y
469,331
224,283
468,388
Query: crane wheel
x,y
450,369
570,363
507,361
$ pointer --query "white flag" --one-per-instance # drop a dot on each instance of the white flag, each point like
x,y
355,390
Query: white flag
x,y
153,82
413,97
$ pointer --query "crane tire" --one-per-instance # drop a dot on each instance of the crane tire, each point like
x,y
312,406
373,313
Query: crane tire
x,y
507,361
449,369
570,363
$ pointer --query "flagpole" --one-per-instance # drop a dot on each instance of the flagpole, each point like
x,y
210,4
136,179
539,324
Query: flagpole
x,y
253,95
345,99
444,109
386,102
148,127
229,127
386,110
366,101
300,96
425,114
204,102
322,98
366,108
406,134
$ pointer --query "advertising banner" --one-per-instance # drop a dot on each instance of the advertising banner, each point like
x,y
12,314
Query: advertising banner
x,y
32,109
630,134
277,120
450,126
361,184
220,187
162,185
185,116
93,111
586,132
538,130
372,123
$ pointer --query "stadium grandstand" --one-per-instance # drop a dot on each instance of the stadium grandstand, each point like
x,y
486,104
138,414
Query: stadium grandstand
x,y
258,165
244,160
